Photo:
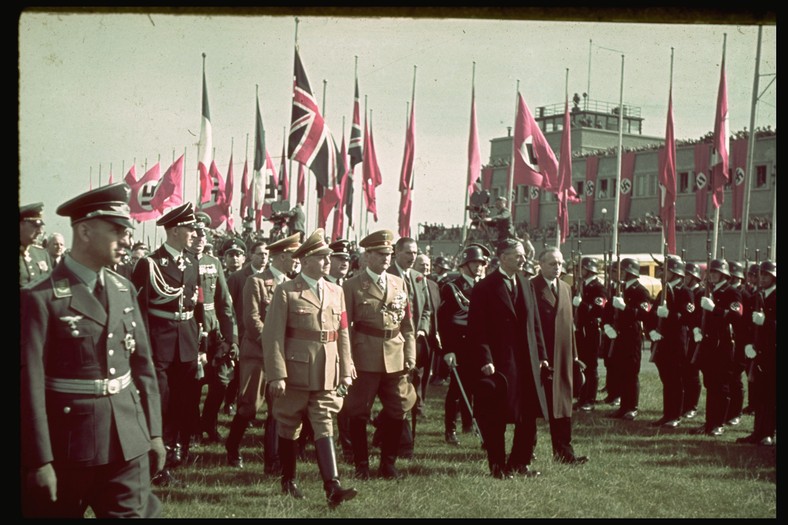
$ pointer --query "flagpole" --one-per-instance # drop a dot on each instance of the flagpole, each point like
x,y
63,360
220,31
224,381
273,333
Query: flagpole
x,y
468,180
716,232
664,189
588,87
197,177
745,221
614,241
254,180
90,178
565,192
350,225
511,162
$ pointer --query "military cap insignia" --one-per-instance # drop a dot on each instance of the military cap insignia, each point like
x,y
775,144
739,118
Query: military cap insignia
x,y
690,307
131,344
72,321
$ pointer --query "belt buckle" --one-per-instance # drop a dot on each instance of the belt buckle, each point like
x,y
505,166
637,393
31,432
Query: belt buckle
x,y
324,336
113,386
387,333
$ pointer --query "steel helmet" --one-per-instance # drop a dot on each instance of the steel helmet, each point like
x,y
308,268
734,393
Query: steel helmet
x,y
442,262
590,264
474,253
736,269
529,268
693,270
753,269
630,266
720,265
769,267
676,266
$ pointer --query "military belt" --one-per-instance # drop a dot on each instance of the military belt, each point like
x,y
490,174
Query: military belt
x,y
322,336
172,316
96,387
376,332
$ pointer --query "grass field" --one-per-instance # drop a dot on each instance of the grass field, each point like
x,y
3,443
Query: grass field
x,y
635,471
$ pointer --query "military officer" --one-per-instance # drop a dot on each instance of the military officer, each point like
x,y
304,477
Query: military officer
x,y
167,282
690,377
219,334
306,349
33,259
256,296
734,413
233,252
340,261
590,302
384,351
89,397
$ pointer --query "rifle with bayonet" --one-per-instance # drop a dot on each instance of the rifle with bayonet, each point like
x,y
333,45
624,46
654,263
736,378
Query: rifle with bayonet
x,y
663,302
706,293
618,286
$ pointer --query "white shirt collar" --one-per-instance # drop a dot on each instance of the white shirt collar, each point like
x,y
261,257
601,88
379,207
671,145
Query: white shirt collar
x,y
278,276
506,275
172,251
313,284
85,274
376,276
402,271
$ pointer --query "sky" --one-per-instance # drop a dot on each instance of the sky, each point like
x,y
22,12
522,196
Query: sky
x,y
100,91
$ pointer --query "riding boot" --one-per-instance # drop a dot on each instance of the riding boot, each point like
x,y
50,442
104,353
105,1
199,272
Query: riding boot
x,y
233,443
287,458
271,441
392,433
358,438
327,463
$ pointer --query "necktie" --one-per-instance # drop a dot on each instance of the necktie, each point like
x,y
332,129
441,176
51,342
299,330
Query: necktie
x,y
319,289
513,289
100,293
381,283
552,289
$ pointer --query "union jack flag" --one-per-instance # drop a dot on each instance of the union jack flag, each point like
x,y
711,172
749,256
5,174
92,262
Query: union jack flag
x,y
310,141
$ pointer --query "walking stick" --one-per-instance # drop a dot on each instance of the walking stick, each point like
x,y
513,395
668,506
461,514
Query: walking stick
x,y
467,403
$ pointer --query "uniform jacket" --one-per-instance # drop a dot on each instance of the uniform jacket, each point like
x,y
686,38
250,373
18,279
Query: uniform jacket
x,y
236,282
555,315
34,264
717,346
673,328
453,318
420,307
66,334
433,301
589,313
765,337
509,337
365,305
629,321
168,335
257,295
214,289
306,364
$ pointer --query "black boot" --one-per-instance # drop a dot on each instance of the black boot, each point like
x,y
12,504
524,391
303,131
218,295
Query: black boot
x,y
327,463
271,461
358,438
287,457
233,443
343,427
392,433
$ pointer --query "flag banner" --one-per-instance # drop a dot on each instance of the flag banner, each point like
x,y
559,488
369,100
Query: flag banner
x,y
301,185
533,207
215,207
246,194
719,156
269,194
487,177
229,188
474,152
339,216
625,191
111,180
169,192
534,161
592,170
310,141
205,148
206,184
702,179
406,174
740,176
284,178
405,208
356,149
142,191
667,181
565,175
371,170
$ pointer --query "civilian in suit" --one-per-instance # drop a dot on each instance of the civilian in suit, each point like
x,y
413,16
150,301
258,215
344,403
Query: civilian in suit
x,y
554,304
167,282
306,349
89,396
433,363
509,353
56,248
384,351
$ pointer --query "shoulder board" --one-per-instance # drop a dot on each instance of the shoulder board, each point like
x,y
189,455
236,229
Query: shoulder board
x,y
120,281
61,288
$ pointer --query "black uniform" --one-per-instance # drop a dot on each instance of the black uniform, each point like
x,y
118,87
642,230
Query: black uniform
x,y
587,335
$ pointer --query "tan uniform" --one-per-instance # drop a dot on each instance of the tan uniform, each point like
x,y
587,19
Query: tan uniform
x,y
306,343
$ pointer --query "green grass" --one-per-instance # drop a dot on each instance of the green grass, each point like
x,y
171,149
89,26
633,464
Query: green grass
x,y
635,471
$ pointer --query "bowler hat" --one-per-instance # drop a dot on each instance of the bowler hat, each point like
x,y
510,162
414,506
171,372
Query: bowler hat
x,y
110,203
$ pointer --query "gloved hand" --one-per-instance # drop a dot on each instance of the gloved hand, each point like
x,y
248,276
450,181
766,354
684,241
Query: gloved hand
x,y
235,352
707,304
697,335
610,332
758,318
655,336
158,455
43,479
450,359
576,300
662,311
409,365
619,303
749,351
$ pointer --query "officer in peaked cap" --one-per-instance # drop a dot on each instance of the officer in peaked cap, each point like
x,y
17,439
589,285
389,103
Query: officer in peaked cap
x,y
96,364
233,253
203,220
167,281
340,261
381,241
315,244
33,259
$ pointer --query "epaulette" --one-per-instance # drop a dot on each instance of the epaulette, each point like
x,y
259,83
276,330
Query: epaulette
x,y
61,288
120,281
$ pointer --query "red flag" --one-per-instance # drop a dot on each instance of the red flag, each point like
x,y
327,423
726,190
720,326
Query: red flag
x,y
565,175
332,197
719,157
205,147
284,178
246,194
533,206
592,170
625,191
142,191
110,181
487,176
339,216
311,142
667,181
702,178
474,154
169,192
740,178
266,201
371,171
406,175
356,149
206,184
215,206
229,187
534,161
301,189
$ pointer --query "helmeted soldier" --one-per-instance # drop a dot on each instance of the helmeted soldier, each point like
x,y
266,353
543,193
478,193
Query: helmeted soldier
x,y
590,303
33,259
740,327
691,373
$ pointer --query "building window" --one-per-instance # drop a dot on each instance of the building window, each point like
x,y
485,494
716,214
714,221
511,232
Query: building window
x,y
580,188
641,181
522,193
651,188
760,176
683,182
602,193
